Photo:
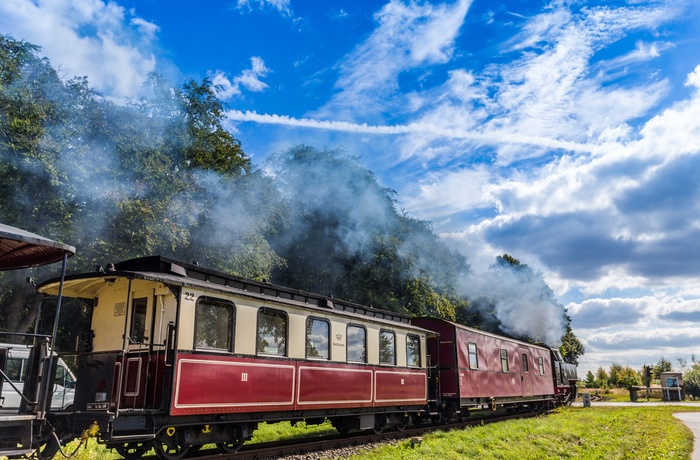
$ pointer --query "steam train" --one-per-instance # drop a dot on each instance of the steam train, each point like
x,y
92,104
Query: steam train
x,y
179,356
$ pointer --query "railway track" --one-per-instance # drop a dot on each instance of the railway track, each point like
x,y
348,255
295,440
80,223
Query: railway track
x,y
308,445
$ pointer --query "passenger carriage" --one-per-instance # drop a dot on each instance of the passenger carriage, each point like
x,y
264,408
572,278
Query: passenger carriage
x,y
182,356
478,370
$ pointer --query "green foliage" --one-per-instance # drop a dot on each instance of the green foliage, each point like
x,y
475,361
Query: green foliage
x,y
571,347
618,377
156,176
691,381
601,377
663,365
344,236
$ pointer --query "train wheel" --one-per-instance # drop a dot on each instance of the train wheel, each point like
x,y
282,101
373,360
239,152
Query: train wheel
x,y
228,447
403,422
170,452
132,450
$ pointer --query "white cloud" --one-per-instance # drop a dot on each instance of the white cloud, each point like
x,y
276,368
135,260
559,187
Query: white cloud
x,y
249,79
283,6
694,78
407,37
103,41
446,193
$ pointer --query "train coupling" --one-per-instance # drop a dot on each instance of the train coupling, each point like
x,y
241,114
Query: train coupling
x,y
90,432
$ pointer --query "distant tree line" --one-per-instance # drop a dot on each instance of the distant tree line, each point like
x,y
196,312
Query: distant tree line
x,y
618,376
162,175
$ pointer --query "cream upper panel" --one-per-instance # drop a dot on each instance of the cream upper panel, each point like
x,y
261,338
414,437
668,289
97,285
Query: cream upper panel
x,y
112,315
245,328
109,317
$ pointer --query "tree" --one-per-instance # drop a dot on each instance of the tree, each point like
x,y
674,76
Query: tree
x,y
571,347
691,381
614,375
343,235
155,176
628,377
601,378
590,381
664,365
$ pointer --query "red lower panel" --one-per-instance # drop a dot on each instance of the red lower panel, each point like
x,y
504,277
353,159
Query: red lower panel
x,y
399,386
205,384
334,386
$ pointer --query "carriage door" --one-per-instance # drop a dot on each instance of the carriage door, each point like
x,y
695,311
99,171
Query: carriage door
x,y
525,371
136,362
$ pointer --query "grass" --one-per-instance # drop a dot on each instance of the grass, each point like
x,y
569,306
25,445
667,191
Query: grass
x,y
644,432
267,432
569,433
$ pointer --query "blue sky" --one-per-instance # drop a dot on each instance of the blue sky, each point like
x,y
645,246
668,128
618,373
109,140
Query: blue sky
x,y
566,134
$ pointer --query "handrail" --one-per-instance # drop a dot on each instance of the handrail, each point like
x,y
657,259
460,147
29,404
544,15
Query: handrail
x,y
25,334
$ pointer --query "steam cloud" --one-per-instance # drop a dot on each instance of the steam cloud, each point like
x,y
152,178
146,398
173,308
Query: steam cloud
x,y
523,304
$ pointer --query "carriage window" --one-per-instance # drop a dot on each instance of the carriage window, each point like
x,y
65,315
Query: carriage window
x,y
317,333
387,347
540,361
473,356
357,344
412,350
526,366
272,332
504,360
213,324
138,320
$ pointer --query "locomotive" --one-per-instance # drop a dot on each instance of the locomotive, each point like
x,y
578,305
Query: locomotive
x,y
179,356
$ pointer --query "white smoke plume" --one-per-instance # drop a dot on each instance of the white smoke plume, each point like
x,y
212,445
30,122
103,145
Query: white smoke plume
x,y
521,301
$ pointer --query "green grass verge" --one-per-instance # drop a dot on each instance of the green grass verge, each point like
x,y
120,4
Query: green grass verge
x,y
569,433
649,432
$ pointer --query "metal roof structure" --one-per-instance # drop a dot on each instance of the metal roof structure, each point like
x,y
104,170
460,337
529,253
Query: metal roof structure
x,y
22,249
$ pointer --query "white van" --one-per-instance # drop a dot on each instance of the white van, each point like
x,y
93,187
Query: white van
x,y
16,371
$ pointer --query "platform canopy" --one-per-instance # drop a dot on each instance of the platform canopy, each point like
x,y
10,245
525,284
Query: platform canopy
x,y
22,249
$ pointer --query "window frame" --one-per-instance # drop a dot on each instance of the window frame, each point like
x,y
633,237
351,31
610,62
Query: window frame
x,y
285,315
418,361
540,362
504,360
474,353
364,344
140,304
231,324
525,363
328,338
379,348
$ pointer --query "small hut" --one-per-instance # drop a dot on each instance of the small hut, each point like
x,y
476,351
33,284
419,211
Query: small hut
x,y
672,386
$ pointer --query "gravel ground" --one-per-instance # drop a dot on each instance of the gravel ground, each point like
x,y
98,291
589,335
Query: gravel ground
x,y
343,452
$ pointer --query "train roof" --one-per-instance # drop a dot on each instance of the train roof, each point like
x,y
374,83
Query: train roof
x,y
22,249
421,321
175,272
